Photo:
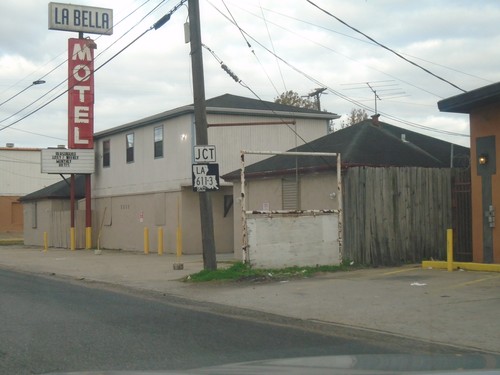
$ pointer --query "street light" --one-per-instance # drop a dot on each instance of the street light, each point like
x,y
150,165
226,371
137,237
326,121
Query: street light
x,y
34,83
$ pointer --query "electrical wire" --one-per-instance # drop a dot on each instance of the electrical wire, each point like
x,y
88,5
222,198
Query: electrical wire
x,y
272,46
65,61
103,51
345,97
155,26
248,45
385,47
364,41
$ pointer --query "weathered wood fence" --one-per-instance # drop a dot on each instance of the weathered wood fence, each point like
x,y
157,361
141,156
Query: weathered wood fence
x,y
396,215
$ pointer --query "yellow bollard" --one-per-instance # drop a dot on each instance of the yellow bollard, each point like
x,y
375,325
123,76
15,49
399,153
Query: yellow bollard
x,y
146,241
45,241
88,238
179,242
160,241
72,238
449,249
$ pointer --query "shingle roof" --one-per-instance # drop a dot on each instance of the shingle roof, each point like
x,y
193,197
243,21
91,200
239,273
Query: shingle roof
x,y
229,104
241,102
362,144
59,190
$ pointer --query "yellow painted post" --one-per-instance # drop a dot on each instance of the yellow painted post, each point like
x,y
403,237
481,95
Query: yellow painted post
x,y
72,238
146,240
160,241
179,241
449,249
88,238
45,241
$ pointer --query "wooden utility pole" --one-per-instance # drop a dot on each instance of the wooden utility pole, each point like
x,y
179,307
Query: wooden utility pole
x,y
200,119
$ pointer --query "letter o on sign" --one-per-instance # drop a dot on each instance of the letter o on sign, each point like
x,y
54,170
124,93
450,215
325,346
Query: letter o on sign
x,y
76,73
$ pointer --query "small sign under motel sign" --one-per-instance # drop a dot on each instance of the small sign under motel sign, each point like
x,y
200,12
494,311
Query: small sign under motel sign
x,y
63,161
85,19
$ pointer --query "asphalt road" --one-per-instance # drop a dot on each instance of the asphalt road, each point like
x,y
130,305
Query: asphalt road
x,y
54,325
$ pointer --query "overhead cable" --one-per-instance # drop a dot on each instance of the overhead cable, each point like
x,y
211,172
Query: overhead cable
x,y
158,24
385,47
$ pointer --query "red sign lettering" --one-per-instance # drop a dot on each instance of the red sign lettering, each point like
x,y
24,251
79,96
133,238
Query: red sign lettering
x,y
80,93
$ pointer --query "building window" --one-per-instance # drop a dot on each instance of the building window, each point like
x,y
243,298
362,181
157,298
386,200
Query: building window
x,y
158,142
106,156
130,148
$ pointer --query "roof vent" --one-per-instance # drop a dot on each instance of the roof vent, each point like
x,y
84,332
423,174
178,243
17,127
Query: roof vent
x,y
403,138
9,145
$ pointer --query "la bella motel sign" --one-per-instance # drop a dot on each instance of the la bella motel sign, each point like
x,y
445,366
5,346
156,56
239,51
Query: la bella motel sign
x,y
81,19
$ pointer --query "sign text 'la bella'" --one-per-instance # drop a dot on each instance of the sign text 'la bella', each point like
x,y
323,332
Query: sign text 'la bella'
x,y
79,18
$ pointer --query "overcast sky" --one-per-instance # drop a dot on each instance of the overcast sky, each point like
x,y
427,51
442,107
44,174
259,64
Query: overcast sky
x,y
456,40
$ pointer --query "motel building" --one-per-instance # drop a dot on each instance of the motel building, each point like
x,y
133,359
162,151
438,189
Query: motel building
x,y
143,175
141,180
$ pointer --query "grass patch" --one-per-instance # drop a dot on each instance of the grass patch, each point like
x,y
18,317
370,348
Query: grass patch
x,y
241,272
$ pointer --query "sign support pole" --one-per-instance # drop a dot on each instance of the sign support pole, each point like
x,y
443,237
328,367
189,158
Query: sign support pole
x,y
206,216
72,236
88,213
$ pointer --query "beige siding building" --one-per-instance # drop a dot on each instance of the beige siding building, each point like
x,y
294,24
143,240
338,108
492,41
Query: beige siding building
x,y
143,169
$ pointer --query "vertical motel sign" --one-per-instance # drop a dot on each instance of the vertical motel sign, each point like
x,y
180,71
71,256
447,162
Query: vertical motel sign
x,y
80,94
81,19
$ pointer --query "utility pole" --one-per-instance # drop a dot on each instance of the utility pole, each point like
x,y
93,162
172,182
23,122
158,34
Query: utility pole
x,y
200,119
316,93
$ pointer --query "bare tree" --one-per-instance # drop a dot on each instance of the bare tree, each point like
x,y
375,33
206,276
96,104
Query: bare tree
x,y
292,98
357,115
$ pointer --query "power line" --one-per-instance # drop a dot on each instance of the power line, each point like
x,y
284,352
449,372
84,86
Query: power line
x,y
343,55
385,47
345,97
247,43
155,26
65,80
364,41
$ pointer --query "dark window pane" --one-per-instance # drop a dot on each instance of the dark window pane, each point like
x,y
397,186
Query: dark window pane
x,y
106,154
158,142
130,148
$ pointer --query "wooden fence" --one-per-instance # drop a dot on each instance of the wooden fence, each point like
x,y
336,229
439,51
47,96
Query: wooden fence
x,y
396,215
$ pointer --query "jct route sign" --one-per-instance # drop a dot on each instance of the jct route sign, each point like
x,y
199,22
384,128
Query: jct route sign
x,y
205,177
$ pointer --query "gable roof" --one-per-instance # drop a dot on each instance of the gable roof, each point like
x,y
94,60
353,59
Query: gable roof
x,y
466,102
227,104
362,144
59,190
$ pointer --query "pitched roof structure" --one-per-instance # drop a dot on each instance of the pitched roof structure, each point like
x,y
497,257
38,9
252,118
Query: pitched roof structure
x,y
363,144
466,102
228,104
59,190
